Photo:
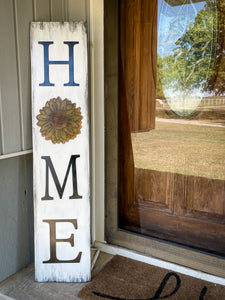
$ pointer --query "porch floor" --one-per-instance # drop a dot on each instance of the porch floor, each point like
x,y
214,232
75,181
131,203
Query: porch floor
x,y
22,286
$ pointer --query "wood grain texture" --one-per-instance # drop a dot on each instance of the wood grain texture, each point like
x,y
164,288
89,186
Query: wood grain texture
x,y
137,86
126,159
192,218
154,189
111,72
138,43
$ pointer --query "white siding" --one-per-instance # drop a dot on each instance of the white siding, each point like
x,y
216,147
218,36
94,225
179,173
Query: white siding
x,y
15,94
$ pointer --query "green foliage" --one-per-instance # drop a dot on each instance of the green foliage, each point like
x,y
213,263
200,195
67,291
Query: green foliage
x,y
190,65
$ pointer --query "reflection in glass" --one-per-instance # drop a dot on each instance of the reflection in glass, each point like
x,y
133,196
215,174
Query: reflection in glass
x,y
172,168
186,50
189,133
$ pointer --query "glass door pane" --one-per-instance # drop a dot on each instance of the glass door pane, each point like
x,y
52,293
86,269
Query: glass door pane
x,y
172,121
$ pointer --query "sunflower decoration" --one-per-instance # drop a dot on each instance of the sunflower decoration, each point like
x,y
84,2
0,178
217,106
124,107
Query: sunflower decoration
x,y
60,120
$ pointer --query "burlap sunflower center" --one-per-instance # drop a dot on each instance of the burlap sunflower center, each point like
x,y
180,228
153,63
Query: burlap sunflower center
x,y
59,119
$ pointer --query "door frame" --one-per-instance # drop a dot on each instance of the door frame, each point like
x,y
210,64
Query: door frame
x,y
97,119
156,248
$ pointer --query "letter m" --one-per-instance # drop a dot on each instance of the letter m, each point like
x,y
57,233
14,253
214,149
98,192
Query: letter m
x,y
60,189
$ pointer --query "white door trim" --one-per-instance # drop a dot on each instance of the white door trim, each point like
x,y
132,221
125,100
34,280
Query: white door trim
x,y
97,117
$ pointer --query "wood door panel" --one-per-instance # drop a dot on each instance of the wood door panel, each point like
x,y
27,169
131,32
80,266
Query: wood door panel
x,y
206,198
188,231
162,191
154,189
173,207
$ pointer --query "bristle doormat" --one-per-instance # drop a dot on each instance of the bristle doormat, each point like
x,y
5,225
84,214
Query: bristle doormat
x,y
126,279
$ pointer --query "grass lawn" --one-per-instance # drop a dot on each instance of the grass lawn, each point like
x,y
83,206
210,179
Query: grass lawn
x,y
188,149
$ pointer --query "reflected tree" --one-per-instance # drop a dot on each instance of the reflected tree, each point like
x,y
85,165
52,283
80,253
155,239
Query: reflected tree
x,y
217,81
189,68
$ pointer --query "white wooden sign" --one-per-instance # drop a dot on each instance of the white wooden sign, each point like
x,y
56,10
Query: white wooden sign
x,y
60,151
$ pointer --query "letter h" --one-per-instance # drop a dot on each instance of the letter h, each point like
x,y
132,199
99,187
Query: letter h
x,y
47,62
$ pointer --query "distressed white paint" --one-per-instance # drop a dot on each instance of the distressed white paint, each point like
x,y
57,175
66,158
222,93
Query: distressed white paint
x,y
60,154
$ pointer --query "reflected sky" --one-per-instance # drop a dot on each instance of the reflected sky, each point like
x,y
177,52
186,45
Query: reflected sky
x,y
173,22
186,51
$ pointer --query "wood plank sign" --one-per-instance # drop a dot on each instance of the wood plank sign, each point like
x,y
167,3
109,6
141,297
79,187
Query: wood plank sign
x,y
60,151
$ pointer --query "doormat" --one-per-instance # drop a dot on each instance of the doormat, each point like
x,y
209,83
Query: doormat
x,y
126,279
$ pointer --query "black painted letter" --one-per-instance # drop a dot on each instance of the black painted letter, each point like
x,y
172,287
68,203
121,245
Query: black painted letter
x,y
53,240
158,292
163,284
60,189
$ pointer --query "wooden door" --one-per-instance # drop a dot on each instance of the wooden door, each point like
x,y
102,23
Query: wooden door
x,y
171,161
